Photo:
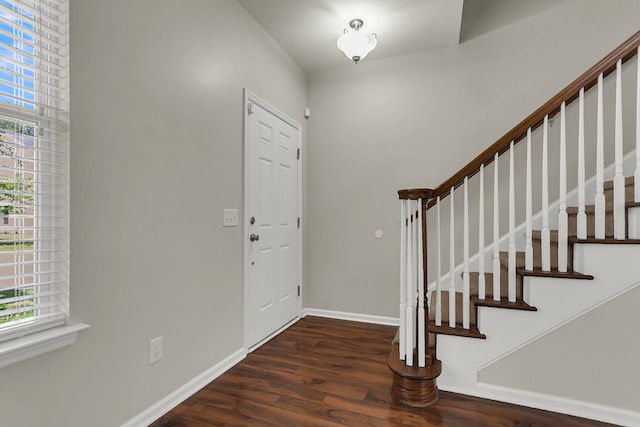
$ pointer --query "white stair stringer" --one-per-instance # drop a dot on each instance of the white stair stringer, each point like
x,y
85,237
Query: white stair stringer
x,y
616,270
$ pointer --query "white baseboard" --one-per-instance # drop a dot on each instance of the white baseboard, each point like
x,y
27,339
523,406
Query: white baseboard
x,y
548,402
176,397
355,317
172,400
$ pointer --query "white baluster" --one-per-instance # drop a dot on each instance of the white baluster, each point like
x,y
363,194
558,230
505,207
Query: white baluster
x,y
465,274
438,269
410,296
452,264
563,218
619,219
636,175
512,228
581,219
421,312
481,277
403,279
528,248
600,200
496,231
545,234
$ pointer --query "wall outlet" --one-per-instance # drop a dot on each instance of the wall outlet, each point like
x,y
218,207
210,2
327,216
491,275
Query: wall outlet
x,y
155,350
230,217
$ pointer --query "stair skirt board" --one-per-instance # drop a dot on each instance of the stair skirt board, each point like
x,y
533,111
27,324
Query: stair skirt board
x,y
572,200
578,408
559,325
354,317
559,301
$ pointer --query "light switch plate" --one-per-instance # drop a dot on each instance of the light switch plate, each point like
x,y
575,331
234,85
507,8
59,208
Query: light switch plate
x,y
230,217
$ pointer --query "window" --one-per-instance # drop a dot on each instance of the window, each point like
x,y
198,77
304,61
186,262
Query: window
x,y
34,166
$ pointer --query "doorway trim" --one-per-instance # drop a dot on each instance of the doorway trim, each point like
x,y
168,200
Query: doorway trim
x,y
250,97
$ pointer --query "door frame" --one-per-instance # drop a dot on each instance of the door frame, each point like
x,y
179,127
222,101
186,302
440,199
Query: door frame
x,y
250,97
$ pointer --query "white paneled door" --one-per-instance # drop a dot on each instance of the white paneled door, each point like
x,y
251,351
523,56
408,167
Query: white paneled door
x,y
272,227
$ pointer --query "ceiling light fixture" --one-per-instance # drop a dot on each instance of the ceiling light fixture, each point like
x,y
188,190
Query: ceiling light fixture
x,y
356,44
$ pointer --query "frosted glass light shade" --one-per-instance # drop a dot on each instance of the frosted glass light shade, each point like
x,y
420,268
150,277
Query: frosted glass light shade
x,y
356,44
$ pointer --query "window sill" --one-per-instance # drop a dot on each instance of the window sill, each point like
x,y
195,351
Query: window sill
x,y
33,345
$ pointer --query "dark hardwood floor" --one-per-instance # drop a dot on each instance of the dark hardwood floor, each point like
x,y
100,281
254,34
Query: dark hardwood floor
x,y
323,372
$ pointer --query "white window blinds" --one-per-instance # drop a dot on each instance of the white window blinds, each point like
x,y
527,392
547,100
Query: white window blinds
x,y
34,166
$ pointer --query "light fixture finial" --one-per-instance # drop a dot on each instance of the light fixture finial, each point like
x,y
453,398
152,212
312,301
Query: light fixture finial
x,y
356,24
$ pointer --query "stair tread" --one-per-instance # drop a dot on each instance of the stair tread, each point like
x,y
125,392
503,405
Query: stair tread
x,y
445,329
504,302
608,207
607,241
536,236
570,274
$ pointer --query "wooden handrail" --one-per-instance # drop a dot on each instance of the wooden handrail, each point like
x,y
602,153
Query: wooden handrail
x,y
624,52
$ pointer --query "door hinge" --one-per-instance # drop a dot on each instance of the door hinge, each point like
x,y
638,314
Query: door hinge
x,y
298,290
298,154
250,108
298,222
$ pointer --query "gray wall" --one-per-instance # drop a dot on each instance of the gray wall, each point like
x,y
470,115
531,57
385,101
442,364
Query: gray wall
x,y
157,142
157,152
413,121
588,361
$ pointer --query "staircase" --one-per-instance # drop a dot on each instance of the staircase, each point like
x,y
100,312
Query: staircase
x,y
515,270
537,271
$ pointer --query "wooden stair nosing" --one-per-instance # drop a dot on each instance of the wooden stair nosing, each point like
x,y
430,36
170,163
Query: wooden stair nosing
x,y
606,241
591,238
520,304
537,272
472,332
488,301
608,207
553,273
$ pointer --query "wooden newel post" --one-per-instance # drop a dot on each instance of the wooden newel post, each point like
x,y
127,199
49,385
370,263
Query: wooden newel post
x,y
414,384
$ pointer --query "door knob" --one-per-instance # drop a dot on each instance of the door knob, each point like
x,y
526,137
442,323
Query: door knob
x,y
254,237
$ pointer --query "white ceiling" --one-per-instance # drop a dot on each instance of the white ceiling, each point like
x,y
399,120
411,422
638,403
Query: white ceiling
x,y
308,29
